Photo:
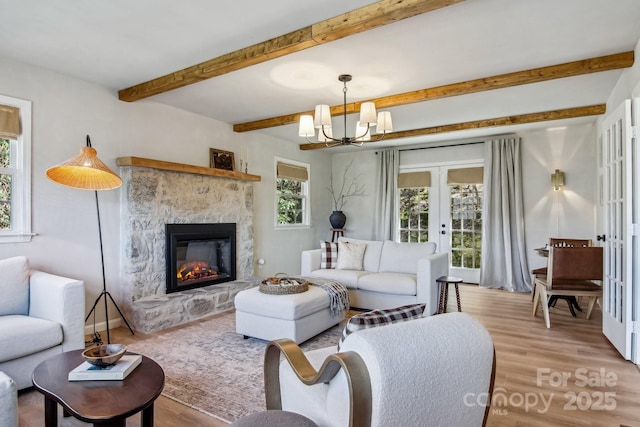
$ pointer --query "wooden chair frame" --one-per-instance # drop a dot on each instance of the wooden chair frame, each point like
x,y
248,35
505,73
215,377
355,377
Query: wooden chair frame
x,y
557,242
350,362
575,269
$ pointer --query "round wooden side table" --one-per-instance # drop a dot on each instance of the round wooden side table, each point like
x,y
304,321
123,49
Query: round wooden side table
x,y
102,403
444,281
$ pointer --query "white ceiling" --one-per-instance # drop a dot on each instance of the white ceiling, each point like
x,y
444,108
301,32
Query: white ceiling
x,y
120,43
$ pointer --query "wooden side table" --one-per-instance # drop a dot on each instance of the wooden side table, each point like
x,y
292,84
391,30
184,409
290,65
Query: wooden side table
x,y
102,403
336,232
444,281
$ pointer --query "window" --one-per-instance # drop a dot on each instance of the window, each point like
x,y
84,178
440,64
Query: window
x,y
414,206
15,170
292,193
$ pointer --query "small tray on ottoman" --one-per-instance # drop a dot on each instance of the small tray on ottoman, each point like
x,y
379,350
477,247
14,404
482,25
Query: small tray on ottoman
x,y
283,285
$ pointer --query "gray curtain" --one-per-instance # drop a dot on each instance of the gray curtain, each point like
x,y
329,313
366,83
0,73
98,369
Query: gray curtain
x,y
504,261
385,217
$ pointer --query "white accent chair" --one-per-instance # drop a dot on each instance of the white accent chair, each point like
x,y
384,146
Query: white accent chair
x,y
432,371
8,401
41,315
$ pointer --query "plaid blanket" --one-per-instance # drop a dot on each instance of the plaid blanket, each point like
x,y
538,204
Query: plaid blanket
x,y
338,293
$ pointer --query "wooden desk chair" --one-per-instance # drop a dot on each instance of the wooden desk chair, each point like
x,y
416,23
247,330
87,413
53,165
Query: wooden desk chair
x,y
559,242
572,272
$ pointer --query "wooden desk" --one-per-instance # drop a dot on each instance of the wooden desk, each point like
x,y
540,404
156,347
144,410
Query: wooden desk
x,y
103,403
542,252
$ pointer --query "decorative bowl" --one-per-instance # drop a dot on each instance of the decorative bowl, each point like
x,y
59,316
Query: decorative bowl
x,y
104,355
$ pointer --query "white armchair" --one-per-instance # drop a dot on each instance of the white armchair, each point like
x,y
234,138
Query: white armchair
x,y
8,401
41,315
433,371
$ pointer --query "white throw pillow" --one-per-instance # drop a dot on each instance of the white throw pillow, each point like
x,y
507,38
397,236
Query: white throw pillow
x,y
371,260
14,286
350,255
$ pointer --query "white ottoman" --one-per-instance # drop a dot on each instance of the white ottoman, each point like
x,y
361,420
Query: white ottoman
x,y
296,316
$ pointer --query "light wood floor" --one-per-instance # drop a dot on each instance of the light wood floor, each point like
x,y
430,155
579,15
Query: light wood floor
x,y
531,361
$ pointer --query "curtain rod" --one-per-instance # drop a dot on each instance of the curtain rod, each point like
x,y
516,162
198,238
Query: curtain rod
x,y
439,146
442,146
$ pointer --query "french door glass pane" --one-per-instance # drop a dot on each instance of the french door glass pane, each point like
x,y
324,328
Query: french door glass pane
x,y
414,214
466,225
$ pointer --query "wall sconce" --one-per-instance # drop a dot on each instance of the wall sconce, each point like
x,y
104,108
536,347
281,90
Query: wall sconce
x,y
557,180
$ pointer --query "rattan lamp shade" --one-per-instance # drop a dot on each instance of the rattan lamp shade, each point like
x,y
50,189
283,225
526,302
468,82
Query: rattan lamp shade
x,y
85,171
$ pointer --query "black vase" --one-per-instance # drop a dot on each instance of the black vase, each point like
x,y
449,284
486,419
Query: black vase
x,y
337,219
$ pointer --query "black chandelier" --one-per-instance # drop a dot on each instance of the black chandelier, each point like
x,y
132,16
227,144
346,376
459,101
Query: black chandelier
x,y
368,119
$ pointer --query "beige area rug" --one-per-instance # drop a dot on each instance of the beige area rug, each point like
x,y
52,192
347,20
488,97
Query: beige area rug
x,y
214,370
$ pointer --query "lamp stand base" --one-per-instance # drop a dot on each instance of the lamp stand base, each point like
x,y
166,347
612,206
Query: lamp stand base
x,y
104,294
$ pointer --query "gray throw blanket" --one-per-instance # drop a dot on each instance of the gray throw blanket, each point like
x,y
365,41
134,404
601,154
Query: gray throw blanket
x,y
338,293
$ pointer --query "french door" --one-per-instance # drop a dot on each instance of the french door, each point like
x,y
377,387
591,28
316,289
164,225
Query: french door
x,y
449,215
620,212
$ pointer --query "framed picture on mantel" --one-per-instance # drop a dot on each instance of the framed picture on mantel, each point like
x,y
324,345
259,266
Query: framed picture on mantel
x,y
221,159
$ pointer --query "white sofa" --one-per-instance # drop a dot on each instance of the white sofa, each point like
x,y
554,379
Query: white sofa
x,y
393,274
41,315
434,371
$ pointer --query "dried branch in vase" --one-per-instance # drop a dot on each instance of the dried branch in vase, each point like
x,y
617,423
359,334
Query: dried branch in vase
x,y
346,191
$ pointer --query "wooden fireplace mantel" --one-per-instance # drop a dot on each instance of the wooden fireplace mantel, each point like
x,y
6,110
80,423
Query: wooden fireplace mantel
x,y
179,167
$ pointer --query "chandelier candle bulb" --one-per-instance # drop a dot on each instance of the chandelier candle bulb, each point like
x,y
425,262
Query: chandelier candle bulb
x,y
322,116
306,129
325,131
368,113
363,132
384,124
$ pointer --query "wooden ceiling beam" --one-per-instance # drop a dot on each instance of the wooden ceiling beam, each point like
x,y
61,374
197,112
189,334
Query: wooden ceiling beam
x,y
365,18
535,75
567,113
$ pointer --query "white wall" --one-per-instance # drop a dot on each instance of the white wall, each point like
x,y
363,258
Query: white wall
x,y
627,86
358,210
66,109
568,213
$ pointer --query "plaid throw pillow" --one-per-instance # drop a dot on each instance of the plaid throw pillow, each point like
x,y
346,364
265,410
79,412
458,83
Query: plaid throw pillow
x,y
375,318
329,257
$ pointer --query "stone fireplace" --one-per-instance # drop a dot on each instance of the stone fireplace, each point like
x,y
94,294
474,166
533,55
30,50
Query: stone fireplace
x,y
153,197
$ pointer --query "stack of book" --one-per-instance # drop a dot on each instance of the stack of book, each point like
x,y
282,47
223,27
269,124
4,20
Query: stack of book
x,y
117,371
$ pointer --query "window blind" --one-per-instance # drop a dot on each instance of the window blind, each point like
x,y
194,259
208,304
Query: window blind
x,y
293,172
9,122
465,176
414,179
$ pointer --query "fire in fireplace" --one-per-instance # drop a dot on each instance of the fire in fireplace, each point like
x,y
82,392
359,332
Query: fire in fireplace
x,y
199,255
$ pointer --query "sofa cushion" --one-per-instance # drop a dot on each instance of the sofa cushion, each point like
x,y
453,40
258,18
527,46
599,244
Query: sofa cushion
x,y
350,255
329,255
375,318
371,261
14,286
389,283
403,257
349,278
23,335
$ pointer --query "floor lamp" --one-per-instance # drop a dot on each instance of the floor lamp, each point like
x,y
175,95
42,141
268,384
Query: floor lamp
x,y
86,172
